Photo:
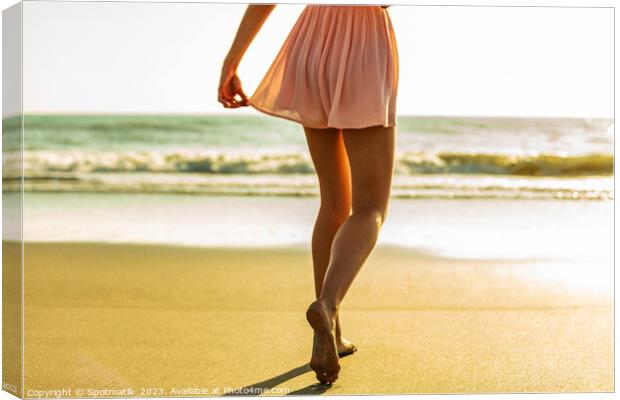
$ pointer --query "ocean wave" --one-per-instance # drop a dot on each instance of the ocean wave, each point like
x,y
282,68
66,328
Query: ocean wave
x,y
407,163
303,185
540,164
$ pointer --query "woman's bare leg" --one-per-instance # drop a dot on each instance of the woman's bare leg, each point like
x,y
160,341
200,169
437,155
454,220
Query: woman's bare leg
x,y
332,166
371,158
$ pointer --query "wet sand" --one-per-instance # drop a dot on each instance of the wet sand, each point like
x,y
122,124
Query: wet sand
x,y
179,321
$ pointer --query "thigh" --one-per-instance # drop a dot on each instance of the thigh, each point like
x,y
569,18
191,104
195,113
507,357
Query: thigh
x,y
330,160
371,158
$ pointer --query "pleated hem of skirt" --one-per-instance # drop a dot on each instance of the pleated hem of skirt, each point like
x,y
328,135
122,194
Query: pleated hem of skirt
x,y
360,126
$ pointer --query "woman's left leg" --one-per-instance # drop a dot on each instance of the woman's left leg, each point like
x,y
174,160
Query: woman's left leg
x,y
332,166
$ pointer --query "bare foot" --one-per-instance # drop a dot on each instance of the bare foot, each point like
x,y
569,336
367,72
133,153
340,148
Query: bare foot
x,y
324,360
345,347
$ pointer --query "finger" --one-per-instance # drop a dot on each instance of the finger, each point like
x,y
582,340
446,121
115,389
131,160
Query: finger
x,y
222,98
239,101
226,103
232,103
244,98
225,100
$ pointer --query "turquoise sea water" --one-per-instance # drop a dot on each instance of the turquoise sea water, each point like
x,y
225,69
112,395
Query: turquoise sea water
x,y
437,157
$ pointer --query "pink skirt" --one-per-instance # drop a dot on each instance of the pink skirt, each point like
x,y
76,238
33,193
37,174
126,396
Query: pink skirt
x,y
338,68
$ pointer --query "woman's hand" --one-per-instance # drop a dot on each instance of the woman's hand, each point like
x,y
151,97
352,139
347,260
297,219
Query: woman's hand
x,y
230,84
230,87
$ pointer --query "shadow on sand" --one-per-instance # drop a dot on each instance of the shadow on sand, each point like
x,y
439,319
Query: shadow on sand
x,y
261,387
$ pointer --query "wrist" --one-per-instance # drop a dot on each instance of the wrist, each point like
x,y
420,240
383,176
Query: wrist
x,y
230,64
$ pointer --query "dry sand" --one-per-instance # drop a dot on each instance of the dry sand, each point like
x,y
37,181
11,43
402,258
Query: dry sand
x,y
109,316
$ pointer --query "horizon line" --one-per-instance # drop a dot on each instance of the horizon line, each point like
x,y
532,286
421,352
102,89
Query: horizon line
x,y
245,114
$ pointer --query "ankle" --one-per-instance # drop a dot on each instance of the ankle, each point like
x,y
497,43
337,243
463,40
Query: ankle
x,y
331,306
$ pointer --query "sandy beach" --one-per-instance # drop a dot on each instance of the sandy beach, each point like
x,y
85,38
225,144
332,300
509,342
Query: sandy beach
x,y
166,238
175,320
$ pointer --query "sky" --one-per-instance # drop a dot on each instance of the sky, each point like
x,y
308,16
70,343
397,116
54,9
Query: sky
x,y
111,57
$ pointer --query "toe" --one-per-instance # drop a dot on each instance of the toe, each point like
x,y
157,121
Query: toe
x,y
349,350
333,378
322,377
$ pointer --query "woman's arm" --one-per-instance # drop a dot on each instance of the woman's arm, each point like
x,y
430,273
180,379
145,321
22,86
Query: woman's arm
x,y
253,19
230,84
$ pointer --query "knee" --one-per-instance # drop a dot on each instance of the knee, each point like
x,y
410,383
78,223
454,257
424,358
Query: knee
x,y
336,209
377,213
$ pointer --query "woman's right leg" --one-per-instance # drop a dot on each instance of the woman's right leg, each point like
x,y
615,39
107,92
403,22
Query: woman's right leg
x,y
371,158
329,156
